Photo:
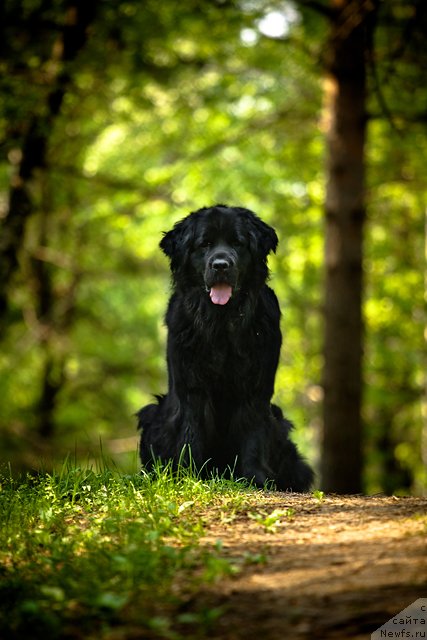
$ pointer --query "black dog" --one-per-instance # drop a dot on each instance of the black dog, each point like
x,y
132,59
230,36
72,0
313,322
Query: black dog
x,y
223,349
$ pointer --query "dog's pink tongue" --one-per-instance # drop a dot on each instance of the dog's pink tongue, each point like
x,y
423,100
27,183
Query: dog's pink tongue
x,y
220,293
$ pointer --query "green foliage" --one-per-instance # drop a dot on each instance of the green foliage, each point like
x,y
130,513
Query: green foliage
x,y
271,521
319,496
395,314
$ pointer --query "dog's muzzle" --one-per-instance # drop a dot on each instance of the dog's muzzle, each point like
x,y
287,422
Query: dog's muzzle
x,y
220,277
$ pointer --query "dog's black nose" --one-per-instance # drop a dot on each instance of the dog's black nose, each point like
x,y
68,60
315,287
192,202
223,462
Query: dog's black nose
x,y
220,264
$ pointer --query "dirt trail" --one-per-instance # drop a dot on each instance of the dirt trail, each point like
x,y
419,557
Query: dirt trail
x,y
333,568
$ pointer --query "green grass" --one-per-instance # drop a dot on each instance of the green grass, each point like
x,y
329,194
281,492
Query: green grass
x,y
84,553
271,521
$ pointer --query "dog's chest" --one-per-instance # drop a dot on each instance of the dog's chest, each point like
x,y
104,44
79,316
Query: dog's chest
x,y
226,359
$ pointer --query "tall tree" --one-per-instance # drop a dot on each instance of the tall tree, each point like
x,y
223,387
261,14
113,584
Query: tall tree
x,y
341,467
31,129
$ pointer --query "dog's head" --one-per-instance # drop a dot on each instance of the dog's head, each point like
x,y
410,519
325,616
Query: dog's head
x,y
221,250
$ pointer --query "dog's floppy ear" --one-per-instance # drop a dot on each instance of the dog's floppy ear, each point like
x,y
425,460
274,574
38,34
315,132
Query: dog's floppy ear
x,y
264,238
167,243
176,241
267,237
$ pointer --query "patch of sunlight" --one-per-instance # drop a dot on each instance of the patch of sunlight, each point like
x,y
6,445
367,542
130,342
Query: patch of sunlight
x,y
316,192
146,229
278,23
248,105
110,138
249,37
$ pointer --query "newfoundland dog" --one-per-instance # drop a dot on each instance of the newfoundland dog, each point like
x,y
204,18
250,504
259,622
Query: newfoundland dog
x,y
222,353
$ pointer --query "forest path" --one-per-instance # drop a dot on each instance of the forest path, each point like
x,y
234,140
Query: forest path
x,y
333,567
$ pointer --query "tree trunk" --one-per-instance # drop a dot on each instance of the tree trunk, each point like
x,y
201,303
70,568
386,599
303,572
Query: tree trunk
x,y
34,145
345,214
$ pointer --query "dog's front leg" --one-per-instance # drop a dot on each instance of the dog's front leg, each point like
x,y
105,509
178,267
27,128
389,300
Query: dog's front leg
x,y
191,423
251,426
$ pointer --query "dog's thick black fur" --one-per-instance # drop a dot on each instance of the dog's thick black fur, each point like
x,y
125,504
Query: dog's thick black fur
x,y
222,353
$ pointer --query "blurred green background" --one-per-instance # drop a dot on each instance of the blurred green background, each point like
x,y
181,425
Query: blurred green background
x,y
166,107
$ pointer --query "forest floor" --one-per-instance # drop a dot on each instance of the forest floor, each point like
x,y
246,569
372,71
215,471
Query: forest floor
x,y
97,555
336,567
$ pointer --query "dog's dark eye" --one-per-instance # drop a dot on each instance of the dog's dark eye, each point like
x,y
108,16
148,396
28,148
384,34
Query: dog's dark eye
x,y
238,242
205,244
